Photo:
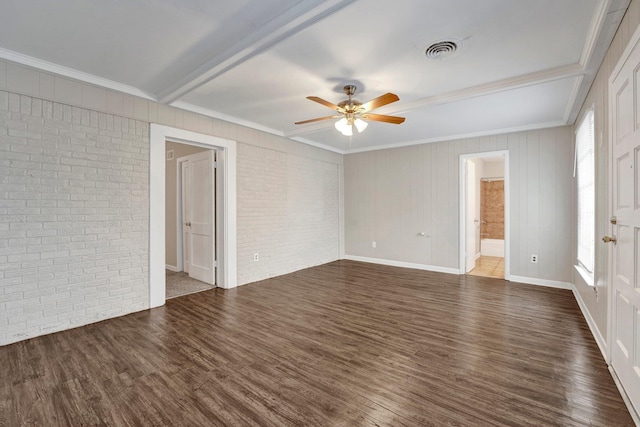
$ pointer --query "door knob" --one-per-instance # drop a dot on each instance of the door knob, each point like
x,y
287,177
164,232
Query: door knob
x,y
188,224
608,239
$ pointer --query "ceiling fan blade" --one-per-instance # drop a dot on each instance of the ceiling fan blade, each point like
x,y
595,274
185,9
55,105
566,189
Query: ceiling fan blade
x,y
382,118
378,102
316,120
325,103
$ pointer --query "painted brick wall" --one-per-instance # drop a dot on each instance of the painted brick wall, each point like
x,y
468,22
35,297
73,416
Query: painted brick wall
x,y
74,167
288,212
74,203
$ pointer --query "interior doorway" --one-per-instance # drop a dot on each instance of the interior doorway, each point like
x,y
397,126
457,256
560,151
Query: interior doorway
x,y
484,214
190,212
225,185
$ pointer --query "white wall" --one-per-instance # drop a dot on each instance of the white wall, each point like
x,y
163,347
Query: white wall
x,y
493,169
595,300
74,197
287,201
392,195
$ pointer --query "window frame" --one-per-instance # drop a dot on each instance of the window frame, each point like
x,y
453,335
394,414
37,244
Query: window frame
x,y
582,266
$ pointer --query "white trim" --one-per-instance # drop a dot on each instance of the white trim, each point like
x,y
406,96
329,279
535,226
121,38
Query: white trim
x,y
341,243
227,273
511,83
295,19
625,398
602,344
248,124
597,23
460,136
171,268
542,282
221,116
403,264
577,85
586,276
318,145
507,209
71,73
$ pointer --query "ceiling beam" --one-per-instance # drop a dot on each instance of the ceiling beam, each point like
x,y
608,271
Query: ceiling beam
x,y
539,77
294,20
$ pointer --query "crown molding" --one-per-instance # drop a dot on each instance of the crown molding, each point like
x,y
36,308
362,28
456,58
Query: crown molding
x,y
318,145
248,124
227,118
597,23
61,70
524,128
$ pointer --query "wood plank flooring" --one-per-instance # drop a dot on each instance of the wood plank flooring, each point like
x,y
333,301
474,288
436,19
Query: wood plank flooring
x,y
343,344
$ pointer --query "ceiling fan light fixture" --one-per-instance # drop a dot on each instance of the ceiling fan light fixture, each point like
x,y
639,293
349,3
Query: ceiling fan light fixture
x,y
348,130
341,124
351,112
361,125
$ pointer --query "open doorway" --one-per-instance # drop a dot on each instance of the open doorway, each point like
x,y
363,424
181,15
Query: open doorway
x,y
484,215
225,173
189,219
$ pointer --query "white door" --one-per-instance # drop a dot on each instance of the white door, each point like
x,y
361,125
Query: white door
x,y
472,221
625,193
184,205
199,216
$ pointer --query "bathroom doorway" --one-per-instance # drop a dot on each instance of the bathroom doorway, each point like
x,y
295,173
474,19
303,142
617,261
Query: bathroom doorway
x,y
484,215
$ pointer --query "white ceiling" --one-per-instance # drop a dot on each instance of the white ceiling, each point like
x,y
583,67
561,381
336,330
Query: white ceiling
x,y
522,64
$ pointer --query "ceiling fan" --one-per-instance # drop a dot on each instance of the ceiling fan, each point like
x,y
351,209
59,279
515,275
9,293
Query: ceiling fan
x,y
354,113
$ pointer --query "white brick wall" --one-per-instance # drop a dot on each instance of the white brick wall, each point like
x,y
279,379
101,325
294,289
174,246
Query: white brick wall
x,y
287,212
74,167
73,216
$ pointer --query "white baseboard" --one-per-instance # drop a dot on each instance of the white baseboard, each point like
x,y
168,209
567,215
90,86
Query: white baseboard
x,y
625,398
541,282
403,264
171,268
602,344
478,255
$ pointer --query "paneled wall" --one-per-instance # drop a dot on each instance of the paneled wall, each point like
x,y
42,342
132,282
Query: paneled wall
x,y
74,226
391,196
596,298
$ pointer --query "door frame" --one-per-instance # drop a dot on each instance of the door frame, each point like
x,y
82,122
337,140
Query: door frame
x,y
226,240
463,209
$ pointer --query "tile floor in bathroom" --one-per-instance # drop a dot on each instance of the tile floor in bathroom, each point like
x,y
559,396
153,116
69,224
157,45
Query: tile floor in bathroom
x,y
489,266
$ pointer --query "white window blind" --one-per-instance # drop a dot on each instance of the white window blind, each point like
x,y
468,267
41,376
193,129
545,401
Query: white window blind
x,y
585,174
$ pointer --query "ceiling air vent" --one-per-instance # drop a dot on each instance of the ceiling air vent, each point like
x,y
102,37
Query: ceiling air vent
x,y
441,49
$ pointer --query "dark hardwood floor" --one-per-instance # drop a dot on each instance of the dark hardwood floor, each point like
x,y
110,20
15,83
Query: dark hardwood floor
x,y
343,344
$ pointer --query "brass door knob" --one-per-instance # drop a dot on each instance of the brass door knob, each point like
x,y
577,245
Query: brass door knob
x,y
608,239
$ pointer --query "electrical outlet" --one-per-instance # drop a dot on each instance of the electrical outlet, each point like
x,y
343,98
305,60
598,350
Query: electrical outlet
x,y
534,259
373,244
256,257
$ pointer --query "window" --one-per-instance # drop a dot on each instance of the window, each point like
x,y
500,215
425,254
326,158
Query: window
x,y
585,175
